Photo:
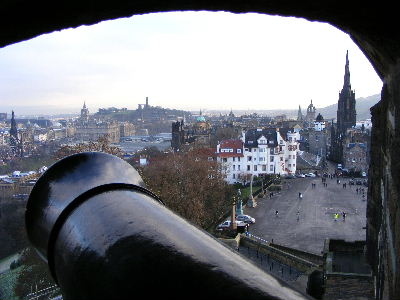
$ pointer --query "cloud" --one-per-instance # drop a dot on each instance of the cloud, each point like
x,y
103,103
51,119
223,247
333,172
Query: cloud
x,y
185,60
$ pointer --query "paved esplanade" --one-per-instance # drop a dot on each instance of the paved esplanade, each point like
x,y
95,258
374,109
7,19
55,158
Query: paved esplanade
x,y
316,220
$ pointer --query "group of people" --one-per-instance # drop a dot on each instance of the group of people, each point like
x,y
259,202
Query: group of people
x,y
337,215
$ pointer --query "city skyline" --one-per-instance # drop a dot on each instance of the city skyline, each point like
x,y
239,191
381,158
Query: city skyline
x,y
188,61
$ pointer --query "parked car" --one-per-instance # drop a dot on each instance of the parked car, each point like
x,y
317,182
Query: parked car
x,y
246,218
300,175
351,182
358,182
364,174
311,175
227,224
290,176
365,182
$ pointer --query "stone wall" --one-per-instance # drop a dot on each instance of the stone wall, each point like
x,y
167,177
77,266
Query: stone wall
x,y
354,287
284,257
383,209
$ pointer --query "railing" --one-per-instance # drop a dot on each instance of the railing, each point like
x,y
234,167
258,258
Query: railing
x,y
43,292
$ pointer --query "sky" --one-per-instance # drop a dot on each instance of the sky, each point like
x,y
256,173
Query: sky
x,y
183,60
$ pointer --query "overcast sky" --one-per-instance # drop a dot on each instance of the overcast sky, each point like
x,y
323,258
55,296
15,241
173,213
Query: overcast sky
x,y
188,60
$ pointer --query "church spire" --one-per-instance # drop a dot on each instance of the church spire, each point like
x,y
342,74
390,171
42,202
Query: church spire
x,y
346,83
299,114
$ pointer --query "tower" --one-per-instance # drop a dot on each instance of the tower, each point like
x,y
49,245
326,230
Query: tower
x,y
84,113
346,113
13,131
310,117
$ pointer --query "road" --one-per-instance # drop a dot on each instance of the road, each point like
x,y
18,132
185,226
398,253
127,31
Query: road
x,y
316,214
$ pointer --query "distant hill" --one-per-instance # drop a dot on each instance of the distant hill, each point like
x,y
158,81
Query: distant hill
x,y
362,107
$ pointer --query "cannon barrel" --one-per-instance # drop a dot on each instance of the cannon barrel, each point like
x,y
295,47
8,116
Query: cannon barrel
x,y
105,236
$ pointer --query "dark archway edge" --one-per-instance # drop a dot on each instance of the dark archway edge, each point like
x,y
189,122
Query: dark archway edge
x,y
371,25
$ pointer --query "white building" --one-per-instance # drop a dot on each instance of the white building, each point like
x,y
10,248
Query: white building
x,y
259,152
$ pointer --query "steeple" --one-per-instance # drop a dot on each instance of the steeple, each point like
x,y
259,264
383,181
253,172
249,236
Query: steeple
x,y
346,113
346,81
299,115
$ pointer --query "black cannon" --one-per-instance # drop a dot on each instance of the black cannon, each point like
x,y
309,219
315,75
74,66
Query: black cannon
x,y
105,236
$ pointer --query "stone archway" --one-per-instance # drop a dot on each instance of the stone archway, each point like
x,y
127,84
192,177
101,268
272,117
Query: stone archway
x,y
373,27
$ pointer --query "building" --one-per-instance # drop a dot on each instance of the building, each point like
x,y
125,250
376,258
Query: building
x,y
178,135
355,157
259,152
126,129
89,129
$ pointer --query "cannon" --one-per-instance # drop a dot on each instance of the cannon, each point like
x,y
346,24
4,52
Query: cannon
x,y
105,236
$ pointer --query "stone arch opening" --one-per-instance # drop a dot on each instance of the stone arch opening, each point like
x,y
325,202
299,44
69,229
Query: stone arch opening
x,y
371,27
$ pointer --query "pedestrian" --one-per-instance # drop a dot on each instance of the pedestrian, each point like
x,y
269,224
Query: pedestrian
x,y
298,215
344,216
276,213
357,190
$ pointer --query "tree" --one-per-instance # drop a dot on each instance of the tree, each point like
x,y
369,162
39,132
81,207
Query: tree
x,y
102,145
191,185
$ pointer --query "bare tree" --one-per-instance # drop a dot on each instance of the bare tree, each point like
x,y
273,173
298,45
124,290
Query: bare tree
x,y
190,184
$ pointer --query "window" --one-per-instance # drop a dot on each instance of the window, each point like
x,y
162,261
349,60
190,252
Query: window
x,y
255,158
254,149
238,158
255,168
234,159
271,159
224,159
290,165
264,167
234,167
248,167
233,176
294,165
261,159
249,158
245,149
238,167
290,139
271,151
271,168
281,158
238,150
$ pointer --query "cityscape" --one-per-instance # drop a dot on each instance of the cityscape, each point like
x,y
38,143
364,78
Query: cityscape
x,y
285,175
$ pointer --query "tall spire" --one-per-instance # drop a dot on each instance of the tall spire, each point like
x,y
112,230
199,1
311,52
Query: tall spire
x,y
84,104
299,114
346,83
